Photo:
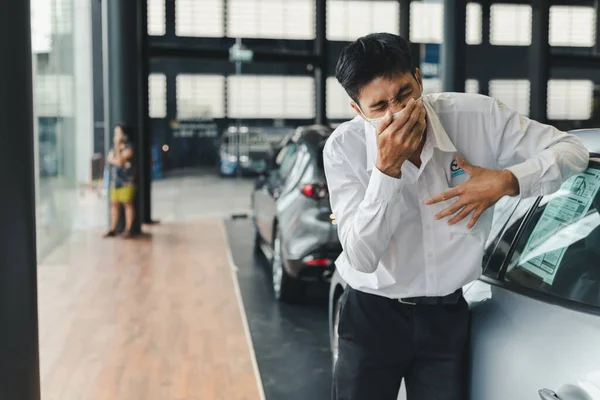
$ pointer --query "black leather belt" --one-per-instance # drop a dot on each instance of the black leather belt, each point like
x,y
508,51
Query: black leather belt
x,y
450,299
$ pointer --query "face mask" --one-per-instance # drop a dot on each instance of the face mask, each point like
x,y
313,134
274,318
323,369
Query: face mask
x,y
374,122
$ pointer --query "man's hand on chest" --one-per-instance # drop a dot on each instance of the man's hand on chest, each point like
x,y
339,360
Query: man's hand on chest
x,y
483,189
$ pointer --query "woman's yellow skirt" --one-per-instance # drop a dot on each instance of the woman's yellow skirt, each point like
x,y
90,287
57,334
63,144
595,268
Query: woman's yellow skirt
x,y
125,194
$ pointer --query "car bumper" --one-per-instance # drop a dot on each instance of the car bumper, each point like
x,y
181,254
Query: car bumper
x,y
317,266
252,167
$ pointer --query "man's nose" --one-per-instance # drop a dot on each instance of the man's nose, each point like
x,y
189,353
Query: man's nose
x,y
397,107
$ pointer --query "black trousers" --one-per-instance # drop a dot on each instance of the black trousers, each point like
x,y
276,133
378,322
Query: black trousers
x,y
382,341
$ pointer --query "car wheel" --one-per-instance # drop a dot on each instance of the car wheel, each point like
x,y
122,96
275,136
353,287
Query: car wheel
x,y
257,240
285,287
335,338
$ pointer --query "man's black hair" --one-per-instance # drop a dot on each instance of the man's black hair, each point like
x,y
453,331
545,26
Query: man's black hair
x,y
370,57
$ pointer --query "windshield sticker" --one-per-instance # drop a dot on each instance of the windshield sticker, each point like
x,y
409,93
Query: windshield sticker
x,y
554,232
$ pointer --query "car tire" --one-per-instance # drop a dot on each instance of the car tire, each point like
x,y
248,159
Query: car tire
x,y
257,240
285,287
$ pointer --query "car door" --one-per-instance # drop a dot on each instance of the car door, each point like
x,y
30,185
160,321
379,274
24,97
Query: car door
x,y
535,328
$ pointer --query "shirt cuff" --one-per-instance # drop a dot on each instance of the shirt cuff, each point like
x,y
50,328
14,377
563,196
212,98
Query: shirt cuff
x,y
383,188
528,176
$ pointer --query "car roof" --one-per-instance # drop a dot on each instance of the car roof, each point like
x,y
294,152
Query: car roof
x,y
590,139
312,135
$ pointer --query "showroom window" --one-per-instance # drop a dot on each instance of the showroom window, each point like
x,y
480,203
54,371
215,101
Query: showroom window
x,y
338,101
349,20
572,26
427,22
570,99
559,250
200,96
199,18
432,85
54,95
156,17
513,93
471,86
275,19
62,16
157,95
474,28
510,25
255,96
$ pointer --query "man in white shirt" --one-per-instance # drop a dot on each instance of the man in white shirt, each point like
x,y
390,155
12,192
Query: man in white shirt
x,y
413,181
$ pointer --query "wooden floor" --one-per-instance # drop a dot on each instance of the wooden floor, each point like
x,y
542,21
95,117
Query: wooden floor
x,y
147,319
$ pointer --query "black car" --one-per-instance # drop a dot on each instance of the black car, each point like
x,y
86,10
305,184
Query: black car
x,y
294,225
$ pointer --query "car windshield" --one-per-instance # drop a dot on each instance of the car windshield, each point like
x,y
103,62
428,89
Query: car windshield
x,y
559,250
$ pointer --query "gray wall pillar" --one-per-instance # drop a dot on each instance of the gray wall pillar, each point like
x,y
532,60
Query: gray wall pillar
x,y
19,353
454,46
405,19
145,134
484,82
321,65
539,59
120,21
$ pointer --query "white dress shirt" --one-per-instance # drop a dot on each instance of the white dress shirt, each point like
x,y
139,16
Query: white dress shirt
x,y
393,246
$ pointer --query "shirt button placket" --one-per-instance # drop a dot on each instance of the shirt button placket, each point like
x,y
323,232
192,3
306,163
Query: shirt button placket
x,y
426,221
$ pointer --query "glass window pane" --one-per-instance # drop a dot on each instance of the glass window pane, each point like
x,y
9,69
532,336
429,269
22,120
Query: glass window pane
x,y
62,17
513,93
156,17
433,85
252,96
510,25
572,26
199,18
471,86
570,99
473,34
559,250
426,22
277,19
157,95
338,102
64,135
54,95
349,20
200,96
41,26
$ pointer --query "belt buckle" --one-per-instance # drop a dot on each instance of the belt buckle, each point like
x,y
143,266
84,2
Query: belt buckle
x,y
410,303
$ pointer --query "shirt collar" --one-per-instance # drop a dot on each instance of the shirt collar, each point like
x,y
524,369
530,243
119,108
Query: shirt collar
x,y
436,136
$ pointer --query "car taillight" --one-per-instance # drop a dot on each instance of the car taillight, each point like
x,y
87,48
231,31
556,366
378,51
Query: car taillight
x,y
315,191
322,262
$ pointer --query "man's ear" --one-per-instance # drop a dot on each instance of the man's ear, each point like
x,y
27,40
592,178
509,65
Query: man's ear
x,y
356,108
419,78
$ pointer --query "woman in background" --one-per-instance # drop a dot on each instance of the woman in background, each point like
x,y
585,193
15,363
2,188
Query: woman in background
x,y
122,185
